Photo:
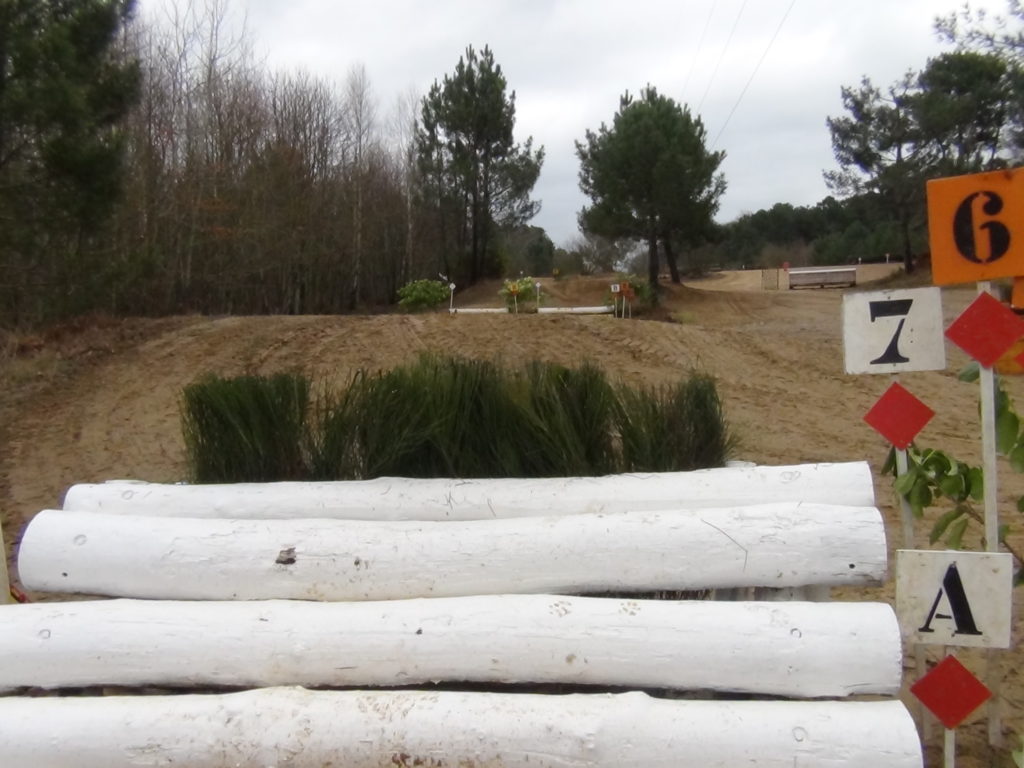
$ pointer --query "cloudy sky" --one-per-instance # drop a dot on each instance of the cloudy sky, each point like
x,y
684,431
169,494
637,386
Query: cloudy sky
x,y
762,74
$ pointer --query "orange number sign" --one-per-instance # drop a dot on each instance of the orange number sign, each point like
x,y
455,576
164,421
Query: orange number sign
x,y
976,226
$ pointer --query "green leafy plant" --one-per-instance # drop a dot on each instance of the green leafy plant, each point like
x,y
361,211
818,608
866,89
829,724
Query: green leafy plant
x,y
519,295
420,295
934,476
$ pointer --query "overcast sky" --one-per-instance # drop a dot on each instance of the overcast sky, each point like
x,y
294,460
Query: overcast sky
x,y
763,101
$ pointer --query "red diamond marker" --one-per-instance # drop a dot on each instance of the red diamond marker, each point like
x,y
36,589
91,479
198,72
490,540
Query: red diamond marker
x,y
899,416
951,692
986,329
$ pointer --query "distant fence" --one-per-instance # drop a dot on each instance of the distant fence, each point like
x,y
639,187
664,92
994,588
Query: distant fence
x,y
822,277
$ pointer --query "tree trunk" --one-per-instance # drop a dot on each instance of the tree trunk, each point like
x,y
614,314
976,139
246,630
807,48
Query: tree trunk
x,y
908,253
670,257
652,262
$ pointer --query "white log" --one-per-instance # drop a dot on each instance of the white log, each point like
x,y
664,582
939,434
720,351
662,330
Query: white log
x,y
601,310
478,311
786,649
369,729
776,545
393,498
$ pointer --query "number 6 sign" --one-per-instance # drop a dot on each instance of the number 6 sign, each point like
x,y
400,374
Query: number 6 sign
x,y
893,331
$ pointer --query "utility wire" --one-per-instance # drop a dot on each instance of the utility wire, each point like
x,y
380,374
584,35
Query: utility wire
x,y
703,35
721,57
753,74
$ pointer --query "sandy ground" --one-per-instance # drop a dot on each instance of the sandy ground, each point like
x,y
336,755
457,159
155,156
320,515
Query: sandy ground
x,y
100,401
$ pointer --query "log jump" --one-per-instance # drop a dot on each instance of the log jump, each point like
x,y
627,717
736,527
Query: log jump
x,y
404,593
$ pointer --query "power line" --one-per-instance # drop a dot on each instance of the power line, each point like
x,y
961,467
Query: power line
x,y
703,35
725,49
753,74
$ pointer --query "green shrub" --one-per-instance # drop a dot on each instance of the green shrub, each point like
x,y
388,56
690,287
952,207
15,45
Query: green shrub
x,y
420,295
246,429
681,427
644,297
519,294
450,417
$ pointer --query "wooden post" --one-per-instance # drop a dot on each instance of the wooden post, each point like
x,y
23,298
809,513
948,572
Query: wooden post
x,y
5,581
907,517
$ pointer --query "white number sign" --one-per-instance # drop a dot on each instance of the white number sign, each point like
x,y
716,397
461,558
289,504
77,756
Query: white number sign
x,y
893,331
616,288
954,597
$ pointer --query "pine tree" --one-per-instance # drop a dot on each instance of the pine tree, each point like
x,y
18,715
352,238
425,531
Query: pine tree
x,y
474,173
64,87
650,177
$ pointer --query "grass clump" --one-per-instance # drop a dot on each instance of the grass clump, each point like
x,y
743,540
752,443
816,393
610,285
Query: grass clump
x,y
246,428
451,417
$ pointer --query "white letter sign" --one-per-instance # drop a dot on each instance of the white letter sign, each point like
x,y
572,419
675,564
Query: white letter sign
x,y
954,597
894,331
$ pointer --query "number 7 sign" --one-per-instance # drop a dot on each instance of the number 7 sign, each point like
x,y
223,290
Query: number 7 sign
x,y
893,331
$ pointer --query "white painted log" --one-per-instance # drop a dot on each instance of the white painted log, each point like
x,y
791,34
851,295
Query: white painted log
x,y
786,649
478,311
393,498
775,545
601,310
370,729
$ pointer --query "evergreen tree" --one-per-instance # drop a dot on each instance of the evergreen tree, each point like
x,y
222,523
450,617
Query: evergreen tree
x,y
63,91
650,177
473,172
956,116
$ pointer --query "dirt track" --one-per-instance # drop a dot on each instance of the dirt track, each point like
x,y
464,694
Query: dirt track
x,y
101,402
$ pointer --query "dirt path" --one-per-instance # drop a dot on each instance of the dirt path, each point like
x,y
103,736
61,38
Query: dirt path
x,y
113,413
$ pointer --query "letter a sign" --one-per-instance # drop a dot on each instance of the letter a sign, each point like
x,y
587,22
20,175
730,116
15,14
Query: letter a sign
x,y
976,226
954,598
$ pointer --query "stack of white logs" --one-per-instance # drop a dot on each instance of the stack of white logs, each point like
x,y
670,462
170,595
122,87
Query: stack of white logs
x,y
395,582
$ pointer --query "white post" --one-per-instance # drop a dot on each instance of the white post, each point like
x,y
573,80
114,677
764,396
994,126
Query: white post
x,y
988,448
907,518
5,582
906,513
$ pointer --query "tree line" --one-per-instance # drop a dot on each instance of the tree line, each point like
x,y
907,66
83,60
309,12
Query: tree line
x,y
160,168
963,112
